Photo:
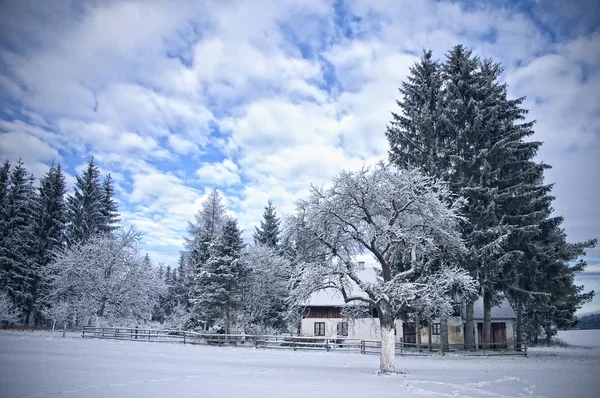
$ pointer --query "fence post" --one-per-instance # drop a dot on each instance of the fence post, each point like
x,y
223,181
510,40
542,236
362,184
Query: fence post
x,y
327,344
183,337
294,345
64,329
362,346
525,346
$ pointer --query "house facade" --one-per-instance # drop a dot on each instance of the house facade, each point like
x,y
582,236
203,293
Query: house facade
x,y
322,317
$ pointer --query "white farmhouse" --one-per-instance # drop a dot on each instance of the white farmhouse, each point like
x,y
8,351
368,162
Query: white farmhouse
x,y
322,316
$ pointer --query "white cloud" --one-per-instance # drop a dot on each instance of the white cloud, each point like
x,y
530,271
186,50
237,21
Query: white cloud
x,y
219,174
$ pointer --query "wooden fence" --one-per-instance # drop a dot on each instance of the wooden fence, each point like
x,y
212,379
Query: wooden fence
x,y
287,341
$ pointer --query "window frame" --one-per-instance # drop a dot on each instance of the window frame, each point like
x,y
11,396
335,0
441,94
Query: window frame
x,y
319,327
435,329
342,329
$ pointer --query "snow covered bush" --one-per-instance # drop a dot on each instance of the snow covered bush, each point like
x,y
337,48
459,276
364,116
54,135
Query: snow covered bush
x,y
106,279
406,221
8,313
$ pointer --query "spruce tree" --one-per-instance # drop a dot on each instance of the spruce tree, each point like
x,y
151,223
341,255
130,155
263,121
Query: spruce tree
x,y
466,131
49,229
221,278
86,207
4,189
109,206
268,233
201,235
17,249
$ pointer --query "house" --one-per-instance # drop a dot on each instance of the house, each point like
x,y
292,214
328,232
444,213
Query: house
x,y
322,316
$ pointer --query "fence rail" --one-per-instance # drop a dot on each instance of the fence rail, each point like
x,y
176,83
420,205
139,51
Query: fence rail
x,y
290,342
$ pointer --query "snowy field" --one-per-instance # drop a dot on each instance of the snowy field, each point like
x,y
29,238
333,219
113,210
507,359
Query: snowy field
x,y
584,338
46,365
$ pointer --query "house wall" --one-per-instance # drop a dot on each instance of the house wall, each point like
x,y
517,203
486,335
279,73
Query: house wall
x,y
368,329
363,328
455,332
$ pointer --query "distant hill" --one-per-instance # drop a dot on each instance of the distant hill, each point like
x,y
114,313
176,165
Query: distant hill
x,y
591,321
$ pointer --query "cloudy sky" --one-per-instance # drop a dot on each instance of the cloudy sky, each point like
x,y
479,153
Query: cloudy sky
x,y
262,98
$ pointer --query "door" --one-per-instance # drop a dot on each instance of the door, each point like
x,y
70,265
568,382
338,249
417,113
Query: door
x,y
409,333
499,334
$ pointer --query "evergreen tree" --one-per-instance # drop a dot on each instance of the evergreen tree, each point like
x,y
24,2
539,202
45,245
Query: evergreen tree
x,y
109,206
274,314
49,229
268,233
86,208
221,279
458,124
181,285
4,189
168,274
202,234
17,249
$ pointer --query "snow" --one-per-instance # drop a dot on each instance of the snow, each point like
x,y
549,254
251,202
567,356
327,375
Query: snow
x,y
584,338
45,365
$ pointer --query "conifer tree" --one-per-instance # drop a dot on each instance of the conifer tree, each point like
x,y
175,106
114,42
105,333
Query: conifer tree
x,y
86,207
110,208
268,233
17,248
220,280
4,189
458,124
202,234
49,229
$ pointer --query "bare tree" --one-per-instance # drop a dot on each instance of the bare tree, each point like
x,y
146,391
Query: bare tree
x,y
405,220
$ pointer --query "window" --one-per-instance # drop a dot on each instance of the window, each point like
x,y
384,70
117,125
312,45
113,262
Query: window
x,y
435,329
342,329
458,329
319,328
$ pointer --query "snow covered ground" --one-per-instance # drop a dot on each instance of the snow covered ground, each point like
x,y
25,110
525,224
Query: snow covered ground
x,y
46,365
584,338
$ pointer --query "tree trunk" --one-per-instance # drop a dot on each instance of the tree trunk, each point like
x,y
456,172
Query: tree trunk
x,y
469,326
418,331
429,334
388,344
519,326
100,312
444,334
487,319
53,325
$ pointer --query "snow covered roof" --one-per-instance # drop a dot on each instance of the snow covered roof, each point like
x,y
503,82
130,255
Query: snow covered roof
x,y
333,297
503,311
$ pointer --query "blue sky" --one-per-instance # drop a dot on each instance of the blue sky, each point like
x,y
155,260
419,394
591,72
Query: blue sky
x,y
262,98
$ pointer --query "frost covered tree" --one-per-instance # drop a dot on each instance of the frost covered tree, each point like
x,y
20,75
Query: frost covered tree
x,y
405,220
106,278
17,247
218,296
267,237
8,313
268,233
201,235
266,289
